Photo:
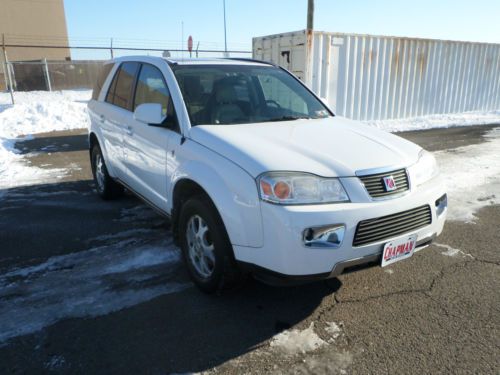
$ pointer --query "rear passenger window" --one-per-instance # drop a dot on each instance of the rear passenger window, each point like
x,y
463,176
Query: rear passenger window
x,y
111,91
151,88
106,68
121,88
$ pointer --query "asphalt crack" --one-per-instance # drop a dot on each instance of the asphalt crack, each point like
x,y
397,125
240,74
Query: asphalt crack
x,y
435,280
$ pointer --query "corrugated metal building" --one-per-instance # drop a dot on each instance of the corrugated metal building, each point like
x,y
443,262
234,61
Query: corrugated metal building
x,y
369,77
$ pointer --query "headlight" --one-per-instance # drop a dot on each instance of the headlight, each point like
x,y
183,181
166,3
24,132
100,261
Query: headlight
x,y
425,168
300,188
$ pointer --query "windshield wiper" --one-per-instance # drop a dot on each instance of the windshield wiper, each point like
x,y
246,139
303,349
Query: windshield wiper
x,y
288,118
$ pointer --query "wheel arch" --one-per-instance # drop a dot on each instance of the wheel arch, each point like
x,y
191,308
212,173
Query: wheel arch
x,y
232,193
92,141
95,138
184,189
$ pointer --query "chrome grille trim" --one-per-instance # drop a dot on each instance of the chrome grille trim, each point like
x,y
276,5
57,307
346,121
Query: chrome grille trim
x,y
386,227
374,184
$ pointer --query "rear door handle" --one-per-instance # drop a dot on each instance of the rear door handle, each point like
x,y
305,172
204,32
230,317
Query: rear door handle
x,y
129,130
102,118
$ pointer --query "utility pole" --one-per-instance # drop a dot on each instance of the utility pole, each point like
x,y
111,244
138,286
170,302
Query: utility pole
x,y
310,14
225,35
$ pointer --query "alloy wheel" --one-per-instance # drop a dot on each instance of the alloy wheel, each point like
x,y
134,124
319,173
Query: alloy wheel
x,y
200,246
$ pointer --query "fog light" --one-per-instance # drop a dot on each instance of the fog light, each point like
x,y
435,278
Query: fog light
x,y
441,204
327,236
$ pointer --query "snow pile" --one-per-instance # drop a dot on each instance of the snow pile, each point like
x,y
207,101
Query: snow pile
x,y
296,341
472,176
35,112
438,121
42,111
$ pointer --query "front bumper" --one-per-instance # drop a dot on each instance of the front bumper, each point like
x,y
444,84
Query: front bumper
x,y
284,252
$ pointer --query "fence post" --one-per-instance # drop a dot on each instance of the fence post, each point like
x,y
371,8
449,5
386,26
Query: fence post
x,y
111,48
4,64
47,76
9,78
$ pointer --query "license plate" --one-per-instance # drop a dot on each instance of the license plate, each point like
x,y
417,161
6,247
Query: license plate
x,y
398,249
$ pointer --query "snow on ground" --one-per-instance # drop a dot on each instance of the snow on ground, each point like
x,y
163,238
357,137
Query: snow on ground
x,y
334,330
438,121
452,252
471,173
111,277
472,176
36,112
88,283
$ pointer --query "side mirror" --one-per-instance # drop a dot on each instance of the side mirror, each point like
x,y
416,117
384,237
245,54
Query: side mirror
x,y
149,113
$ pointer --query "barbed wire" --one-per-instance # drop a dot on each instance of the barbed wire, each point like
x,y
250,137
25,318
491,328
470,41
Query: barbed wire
x,y
152,44
128,48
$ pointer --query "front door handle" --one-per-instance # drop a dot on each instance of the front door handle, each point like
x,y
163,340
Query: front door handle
x,y
102,118
129,130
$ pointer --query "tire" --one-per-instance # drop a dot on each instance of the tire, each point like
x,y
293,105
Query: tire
x,y
204,240
106,187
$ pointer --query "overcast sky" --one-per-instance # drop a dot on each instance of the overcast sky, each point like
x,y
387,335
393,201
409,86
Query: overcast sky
x,y
161,22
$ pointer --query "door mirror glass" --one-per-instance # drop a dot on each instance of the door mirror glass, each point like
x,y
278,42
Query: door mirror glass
x,y
150,113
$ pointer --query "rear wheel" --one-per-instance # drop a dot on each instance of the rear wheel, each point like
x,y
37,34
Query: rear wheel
x,y
206,249
106,187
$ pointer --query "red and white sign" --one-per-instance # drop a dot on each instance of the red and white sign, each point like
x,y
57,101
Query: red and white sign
x,y
399,249
190,43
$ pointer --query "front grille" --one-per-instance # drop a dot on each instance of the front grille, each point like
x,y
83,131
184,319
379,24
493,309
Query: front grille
x,y
374,183
385,227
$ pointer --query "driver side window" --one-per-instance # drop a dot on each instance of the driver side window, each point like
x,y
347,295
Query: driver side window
x,y
276,92
151,88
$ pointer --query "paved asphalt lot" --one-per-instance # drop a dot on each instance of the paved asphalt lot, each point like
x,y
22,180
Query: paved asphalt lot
x,y
88,286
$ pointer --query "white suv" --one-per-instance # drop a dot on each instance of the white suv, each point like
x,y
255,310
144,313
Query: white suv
x,y
255,171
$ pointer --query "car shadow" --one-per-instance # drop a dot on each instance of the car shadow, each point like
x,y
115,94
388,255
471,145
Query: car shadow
x,y
53,143
181,331
192,332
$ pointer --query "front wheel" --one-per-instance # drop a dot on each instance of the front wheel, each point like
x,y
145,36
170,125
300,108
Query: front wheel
x,y
106,187
206,249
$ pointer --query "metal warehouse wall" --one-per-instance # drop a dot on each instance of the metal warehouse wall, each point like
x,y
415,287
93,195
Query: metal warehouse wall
x,y
375,77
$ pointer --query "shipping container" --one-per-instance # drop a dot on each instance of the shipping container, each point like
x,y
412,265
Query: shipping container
x,y
366,77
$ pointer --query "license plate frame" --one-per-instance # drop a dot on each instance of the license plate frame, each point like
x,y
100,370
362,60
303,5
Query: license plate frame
x,y
398,249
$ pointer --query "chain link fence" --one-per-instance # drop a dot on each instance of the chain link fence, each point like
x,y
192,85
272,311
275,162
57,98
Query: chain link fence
x,y
51,75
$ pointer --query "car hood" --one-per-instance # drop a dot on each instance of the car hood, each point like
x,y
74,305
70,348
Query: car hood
x,y
330,147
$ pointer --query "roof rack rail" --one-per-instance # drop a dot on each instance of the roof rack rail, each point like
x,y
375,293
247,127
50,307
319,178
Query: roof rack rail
x,y
170,62
247,59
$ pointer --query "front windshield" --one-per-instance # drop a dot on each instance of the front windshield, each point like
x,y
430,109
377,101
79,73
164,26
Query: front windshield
x,y
242,94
